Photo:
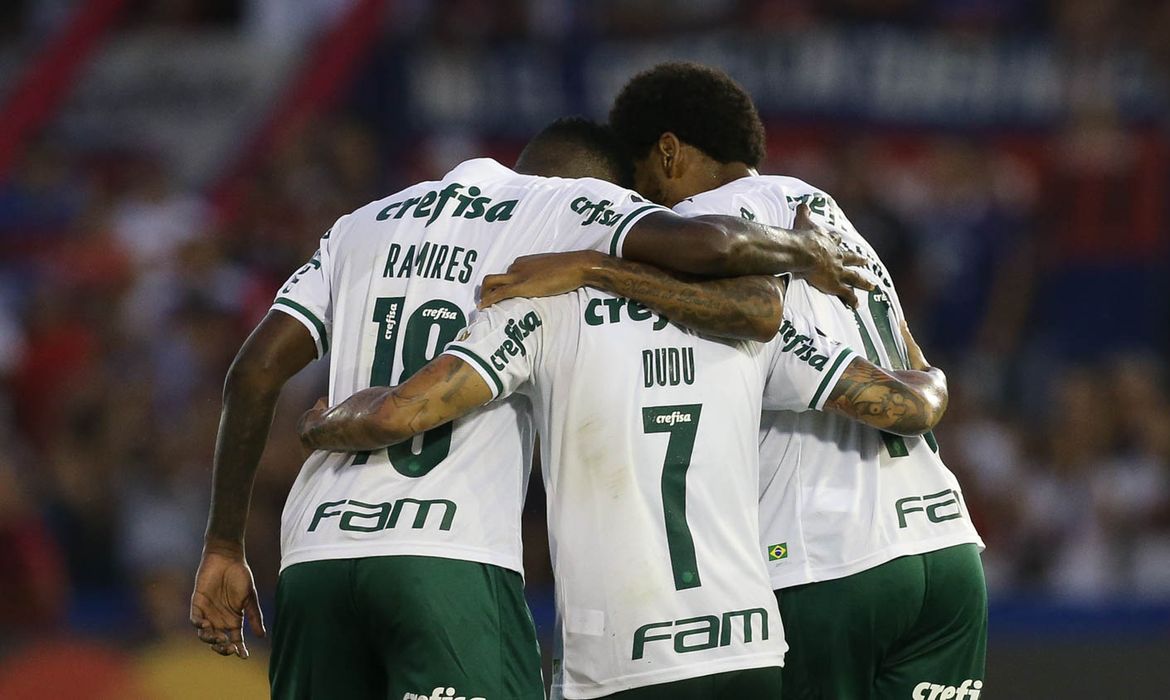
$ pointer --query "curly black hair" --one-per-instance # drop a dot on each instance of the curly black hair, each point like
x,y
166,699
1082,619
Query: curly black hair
x,y
703,106
577,147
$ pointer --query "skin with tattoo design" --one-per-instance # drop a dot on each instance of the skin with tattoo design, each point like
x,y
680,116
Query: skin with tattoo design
x,y
715,246
443,390
738,307
906,402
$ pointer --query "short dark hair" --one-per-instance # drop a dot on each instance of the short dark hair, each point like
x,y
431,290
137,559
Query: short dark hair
x,y
702,106
577,147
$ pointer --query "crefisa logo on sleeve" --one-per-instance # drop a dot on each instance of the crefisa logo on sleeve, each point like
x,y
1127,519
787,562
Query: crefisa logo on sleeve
x,y
967,690
440,693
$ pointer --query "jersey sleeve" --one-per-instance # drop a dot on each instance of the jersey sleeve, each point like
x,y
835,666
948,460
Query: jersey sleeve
x,y
597,215
803,366
307,296
502,343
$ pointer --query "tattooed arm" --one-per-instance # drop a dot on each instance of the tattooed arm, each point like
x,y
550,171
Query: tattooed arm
x,y
445,389
729,246
737,307
903,402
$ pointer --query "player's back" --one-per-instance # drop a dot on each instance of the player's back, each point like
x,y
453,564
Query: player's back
x,y
648,438
840,496
391,285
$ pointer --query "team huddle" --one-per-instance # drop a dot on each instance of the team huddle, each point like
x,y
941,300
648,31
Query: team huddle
x,y
744,495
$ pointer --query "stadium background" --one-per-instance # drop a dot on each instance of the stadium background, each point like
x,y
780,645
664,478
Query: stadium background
x,y
164,165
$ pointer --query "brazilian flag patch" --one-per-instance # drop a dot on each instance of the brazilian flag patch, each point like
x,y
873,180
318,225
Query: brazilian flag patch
x,y
778,551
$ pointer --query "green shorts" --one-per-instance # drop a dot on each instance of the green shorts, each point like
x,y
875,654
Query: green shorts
x,y
403,627
753,683
914,628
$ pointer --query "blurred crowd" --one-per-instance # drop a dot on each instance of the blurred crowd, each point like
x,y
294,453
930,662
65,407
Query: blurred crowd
x,y
1033,268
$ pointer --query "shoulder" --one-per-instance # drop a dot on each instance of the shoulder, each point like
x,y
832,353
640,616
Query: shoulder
x,y
775,190
540,309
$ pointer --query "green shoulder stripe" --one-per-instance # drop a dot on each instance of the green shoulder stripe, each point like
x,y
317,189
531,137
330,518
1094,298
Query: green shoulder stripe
x,y
282,301
621,229
845,355
466,354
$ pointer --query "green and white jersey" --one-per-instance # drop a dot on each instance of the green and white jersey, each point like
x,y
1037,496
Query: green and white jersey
x,y
837,497
391,285
649,446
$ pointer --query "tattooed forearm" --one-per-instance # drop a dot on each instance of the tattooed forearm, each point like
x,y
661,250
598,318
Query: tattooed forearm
x,y
350,425
740,307
443,390
904,402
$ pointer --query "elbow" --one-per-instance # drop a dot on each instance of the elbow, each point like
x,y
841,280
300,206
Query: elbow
x,y
934,400
938,403
923,423
761,332
766,321
762,328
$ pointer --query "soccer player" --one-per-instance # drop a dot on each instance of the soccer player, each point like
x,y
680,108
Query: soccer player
x,y
649,443
400,572
869,543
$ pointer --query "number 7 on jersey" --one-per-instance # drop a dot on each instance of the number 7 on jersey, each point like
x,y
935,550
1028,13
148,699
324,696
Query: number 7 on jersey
x,y
681,422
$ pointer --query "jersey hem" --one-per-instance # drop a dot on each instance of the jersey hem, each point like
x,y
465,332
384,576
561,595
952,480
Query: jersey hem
x,y
301,555
480,366
816,575
313,324
673,674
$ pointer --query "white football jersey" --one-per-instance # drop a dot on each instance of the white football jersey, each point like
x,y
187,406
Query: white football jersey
x,y
391,285
649,446
837,497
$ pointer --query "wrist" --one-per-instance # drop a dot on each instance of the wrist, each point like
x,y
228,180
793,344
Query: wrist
x,y
804,251
595,269
223,546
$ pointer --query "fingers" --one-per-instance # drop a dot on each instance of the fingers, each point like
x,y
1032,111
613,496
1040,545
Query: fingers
x,y
496,295
255,617
490,291
848,296
230,649
913,351
852,259
237,643
213,636
490,281
803,217
854,278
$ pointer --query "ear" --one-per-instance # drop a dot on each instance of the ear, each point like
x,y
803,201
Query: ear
x,y
669,154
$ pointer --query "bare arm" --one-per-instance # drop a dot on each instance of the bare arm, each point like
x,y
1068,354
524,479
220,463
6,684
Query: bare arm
x,y
728,246
736,307
445,389
224,590
903,402
278,349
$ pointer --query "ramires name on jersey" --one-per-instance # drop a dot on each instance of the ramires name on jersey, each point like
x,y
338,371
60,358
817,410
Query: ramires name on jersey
x,y
516,331
467,204
798,343
431,261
